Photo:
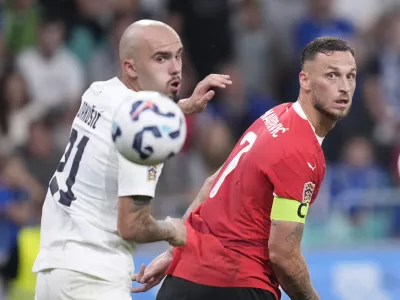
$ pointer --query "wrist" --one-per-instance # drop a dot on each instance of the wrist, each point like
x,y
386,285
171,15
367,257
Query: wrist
x,y
169,230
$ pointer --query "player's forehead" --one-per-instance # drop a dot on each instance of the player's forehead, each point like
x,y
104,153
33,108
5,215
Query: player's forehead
x,y
343,61
164,41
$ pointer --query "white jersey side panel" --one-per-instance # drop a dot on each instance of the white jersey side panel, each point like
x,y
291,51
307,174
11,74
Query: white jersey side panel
x,y
79,221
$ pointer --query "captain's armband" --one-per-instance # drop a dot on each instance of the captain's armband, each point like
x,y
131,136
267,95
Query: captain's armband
x,y
289,210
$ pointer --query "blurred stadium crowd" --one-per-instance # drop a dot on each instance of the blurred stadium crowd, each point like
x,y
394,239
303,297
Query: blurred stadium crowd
x,y
51,50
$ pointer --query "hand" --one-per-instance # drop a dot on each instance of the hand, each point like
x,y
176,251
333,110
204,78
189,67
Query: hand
x,y
203,93
154,273
178,232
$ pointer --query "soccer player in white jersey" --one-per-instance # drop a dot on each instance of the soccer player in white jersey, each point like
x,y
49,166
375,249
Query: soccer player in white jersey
x,y
98,204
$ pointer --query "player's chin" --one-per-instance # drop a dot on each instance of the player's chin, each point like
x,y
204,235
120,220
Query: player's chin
x,y
174,95
336,114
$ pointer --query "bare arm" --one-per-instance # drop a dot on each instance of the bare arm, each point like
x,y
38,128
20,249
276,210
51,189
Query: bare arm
x,y
155,272
136,224
287,261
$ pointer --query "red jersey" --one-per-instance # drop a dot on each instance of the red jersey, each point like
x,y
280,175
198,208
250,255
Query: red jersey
x,y
279,158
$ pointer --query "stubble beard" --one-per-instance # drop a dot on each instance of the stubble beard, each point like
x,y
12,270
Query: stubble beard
x,y
317,103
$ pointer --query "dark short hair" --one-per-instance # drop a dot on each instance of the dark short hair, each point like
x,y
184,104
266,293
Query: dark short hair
x,y
324,45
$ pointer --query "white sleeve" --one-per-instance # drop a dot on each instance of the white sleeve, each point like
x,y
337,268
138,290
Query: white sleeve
x,y
137,180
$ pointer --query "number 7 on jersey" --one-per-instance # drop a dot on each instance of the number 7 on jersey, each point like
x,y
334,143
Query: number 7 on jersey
x,y
249,138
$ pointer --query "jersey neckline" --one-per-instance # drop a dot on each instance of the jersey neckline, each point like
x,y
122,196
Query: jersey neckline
x,y
299,110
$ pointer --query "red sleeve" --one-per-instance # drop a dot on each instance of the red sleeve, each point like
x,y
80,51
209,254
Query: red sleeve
x,y
296,177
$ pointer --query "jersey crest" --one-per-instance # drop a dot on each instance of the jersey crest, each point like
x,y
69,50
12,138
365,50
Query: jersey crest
x,y
308,192
151,173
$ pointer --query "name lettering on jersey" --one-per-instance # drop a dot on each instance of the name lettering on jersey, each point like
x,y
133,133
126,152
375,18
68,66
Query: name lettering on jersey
x,y
89,115
272,123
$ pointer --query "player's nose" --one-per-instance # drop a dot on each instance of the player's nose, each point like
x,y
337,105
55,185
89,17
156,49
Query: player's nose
x,y
344,86
175,67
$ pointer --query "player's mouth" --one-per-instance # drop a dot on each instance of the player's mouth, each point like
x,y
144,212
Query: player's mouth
x,y
175,85
342,103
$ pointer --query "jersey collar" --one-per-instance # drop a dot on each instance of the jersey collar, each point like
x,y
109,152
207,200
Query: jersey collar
x,y
299,110
119,82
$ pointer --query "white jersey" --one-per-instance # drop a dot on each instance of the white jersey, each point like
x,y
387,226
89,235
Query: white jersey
x,y
79,221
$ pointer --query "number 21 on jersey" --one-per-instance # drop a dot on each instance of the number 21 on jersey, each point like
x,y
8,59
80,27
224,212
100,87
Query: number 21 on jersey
x,y
250,139
66,197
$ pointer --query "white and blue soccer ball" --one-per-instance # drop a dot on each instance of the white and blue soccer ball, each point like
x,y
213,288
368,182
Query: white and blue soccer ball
x,y
148,128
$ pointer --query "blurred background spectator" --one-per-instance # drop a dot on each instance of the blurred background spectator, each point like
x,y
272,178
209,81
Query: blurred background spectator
x,y
104,63
254,47
20,25
53,74
52,50
320,20
205,27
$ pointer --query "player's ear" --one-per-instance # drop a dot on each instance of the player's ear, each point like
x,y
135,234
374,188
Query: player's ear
x,y
304,80
130,68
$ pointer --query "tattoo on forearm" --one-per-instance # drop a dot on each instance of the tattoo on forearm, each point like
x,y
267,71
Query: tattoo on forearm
x,y
293,274
150,230
146,228
294,238
295,280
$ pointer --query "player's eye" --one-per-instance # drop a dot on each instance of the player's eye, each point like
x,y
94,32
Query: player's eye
x,y
160,59
331,75
351,76
179,57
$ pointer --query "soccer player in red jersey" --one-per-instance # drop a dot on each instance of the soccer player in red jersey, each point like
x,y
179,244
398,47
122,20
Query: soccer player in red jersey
x,y
243,240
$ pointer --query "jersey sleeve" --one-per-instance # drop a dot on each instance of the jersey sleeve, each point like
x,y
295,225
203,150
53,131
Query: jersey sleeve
x,y
296,181
137,180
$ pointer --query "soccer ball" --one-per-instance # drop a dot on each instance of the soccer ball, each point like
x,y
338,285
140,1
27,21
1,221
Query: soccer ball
x,y
148,128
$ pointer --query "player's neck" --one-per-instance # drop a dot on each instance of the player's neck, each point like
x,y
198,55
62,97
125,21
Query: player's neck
x,y
130,84
322,125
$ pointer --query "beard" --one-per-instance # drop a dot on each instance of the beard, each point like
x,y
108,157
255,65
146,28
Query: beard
x,y
319,106
175,97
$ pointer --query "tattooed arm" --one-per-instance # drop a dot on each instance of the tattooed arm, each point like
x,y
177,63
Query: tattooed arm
x,y
155,272
135,223
287,261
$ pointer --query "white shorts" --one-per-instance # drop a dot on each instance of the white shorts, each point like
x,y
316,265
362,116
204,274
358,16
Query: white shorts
x,y
59,284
